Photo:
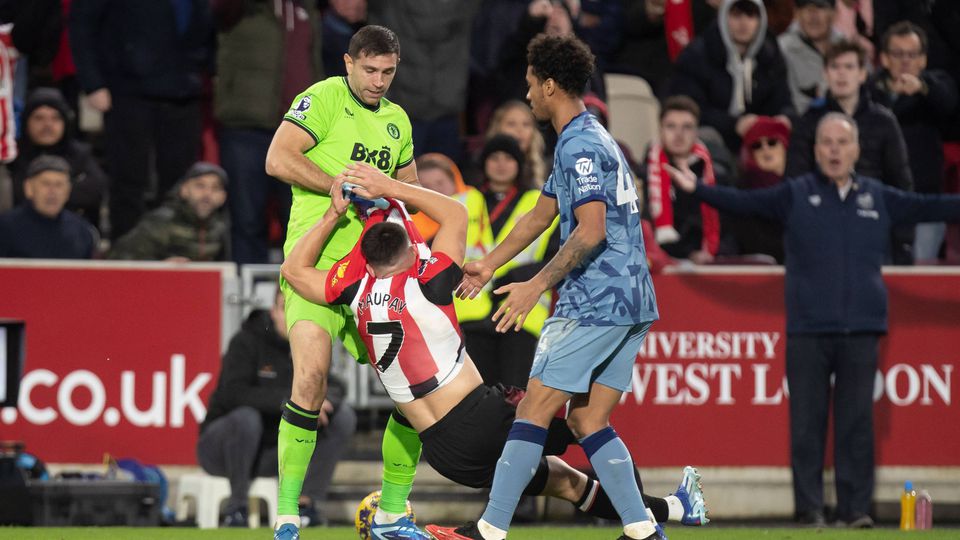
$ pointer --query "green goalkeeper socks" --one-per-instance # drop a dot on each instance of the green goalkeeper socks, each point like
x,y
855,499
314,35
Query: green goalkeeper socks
x,y
401,453
295,443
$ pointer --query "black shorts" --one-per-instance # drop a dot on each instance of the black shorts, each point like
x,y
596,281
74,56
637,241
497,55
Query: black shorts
x,y
465,445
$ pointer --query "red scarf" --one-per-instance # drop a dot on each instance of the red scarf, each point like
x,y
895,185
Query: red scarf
x,y
661,203
678,25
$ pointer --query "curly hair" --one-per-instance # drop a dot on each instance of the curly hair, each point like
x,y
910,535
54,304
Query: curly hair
x,y
565,59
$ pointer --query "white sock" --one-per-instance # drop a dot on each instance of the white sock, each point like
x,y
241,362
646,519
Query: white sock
x,y
489,532
650,515
675,507
281,520
382,517
639,529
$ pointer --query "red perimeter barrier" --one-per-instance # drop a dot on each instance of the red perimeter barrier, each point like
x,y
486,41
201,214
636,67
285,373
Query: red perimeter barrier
x,y
124,360
709,384
118,360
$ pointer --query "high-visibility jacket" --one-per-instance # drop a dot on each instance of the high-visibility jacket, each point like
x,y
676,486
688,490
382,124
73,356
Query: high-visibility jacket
x,y
482,306
479,243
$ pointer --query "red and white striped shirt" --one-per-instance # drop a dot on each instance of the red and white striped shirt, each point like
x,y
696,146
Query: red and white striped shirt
x,y
407,321
8,121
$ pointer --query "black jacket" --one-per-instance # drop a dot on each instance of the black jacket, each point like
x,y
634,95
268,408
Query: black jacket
x,y
643,50
134,47
701,73
24,233
883,153
257,371
921,117
834,248
87,179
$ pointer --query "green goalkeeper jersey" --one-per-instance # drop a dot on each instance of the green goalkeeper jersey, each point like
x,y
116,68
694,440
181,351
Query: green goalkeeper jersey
x,y
345,130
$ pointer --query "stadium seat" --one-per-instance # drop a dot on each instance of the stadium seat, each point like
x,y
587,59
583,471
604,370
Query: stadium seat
x,y
634,111
208,492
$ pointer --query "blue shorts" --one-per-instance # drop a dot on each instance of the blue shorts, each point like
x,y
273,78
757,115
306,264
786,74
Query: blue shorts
x,y
571,357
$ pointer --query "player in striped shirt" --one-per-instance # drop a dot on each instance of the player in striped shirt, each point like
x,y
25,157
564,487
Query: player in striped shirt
x,y
402,302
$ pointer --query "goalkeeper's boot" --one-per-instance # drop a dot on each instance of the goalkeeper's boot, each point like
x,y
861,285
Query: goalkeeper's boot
x,y
287,531
401,529
690,493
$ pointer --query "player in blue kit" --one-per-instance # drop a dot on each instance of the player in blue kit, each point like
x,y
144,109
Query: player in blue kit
x,y
606,304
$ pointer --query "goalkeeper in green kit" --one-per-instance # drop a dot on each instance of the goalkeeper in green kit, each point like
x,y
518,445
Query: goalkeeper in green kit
x,y
331,125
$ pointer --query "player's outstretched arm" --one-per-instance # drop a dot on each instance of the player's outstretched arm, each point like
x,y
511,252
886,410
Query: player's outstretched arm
x,y
529,227
590,231
300,269
450,214
286,162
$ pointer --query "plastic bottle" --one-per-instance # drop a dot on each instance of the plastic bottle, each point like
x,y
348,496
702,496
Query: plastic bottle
x,y
924,511
908,507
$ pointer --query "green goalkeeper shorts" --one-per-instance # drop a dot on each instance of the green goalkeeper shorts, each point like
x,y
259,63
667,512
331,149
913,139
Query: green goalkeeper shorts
x,y
336,320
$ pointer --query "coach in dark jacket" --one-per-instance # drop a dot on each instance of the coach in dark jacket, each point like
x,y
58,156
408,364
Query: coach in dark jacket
x,y
836,223
883,152
709,69
238,437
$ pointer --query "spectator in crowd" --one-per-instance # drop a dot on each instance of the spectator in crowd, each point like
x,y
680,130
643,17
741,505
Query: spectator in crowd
x,y
237,437
553,17
653,39
341,20
41,228
921,99
883,153
432,86
763,160
837,222
142,63
253,92
854,19
803,46
47,121
514,118
600,25
506,357
188,227
439,173
734,71
684,227
499,21
780,15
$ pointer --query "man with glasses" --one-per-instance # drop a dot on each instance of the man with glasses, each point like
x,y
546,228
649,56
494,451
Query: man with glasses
x,y
922,100
883,153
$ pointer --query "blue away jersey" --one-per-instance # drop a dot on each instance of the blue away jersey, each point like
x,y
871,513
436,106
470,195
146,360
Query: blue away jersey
x,y
611,286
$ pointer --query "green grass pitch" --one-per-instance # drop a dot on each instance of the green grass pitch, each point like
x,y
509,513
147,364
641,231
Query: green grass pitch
x,y
516,533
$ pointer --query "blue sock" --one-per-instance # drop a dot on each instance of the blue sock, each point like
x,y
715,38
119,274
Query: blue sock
x,y
515,468
614,467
